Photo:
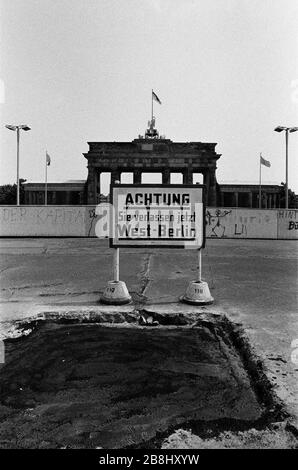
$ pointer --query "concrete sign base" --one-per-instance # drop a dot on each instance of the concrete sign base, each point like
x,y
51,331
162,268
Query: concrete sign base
x,y
197,293
115,293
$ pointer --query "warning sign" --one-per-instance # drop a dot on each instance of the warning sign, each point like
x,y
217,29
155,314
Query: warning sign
x,y
158,215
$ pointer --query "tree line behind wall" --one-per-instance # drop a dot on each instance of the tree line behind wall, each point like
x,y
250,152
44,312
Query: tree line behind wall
x,y
8,194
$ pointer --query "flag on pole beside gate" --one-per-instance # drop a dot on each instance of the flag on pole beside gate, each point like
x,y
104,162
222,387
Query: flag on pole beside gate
x,y
48,159
155,97
265,162
48,162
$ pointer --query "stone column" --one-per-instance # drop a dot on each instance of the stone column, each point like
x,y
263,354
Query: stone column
x,y
210,182
166,176
30,198
270,201
137,177
274,201
212,189
206,179
250,199
236,199
222,201
81,197
54,197
97,185
187,176
115,176
67,198
91,196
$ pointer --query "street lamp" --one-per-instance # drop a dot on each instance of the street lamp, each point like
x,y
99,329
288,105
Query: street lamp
x,y
286,130
23,127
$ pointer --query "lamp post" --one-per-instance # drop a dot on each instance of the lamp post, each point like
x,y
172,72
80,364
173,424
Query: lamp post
x,y
23,127
286,130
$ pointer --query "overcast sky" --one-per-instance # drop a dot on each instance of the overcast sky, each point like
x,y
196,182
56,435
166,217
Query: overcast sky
x,y
75,71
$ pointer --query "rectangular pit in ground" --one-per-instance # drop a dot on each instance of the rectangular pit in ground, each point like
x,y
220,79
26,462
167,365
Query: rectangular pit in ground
x,y
113,387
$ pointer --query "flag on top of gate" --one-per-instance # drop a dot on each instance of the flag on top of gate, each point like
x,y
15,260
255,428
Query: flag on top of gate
x,y
155,97
265,162
48,159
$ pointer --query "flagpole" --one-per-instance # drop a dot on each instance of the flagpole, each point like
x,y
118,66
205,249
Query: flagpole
x,y
260,187
46,184
152,105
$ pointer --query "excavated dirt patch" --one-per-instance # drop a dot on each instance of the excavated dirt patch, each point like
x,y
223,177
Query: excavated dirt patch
x,y
87,385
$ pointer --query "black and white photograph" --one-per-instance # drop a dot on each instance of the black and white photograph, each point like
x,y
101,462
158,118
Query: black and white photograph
x,y
148,231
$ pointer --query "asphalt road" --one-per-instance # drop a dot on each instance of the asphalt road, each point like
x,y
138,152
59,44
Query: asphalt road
x,y
253,282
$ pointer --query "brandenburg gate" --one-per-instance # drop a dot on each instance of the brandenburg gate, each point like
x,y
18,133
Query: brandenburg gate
x,y
151,153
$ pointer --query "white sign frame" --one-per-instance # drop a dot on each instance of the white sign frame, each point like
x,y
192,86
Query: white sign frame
x,y
197,205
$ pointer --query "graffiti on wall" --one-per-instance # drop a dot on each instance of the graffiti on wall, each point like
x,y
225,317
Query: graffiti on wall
x,y
240,230
293,225
42,221
215,221
91,222
287,223
82,221
42,215
291,217
240,223
98,220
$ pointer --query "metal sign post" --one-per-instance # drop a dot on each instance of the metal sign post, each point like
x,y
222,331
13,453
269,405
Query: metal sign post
x,y
116,264
200,266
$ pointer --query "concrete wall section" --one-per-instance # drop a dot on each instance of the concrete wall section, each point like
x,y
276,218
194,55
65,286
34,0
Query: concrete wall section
x,y
91,218
80,221
240,223
287,223
38,221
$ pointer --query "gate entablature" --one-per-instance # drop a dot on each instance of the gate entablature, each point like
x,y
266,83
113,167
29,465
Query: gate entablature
x,y
151,155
